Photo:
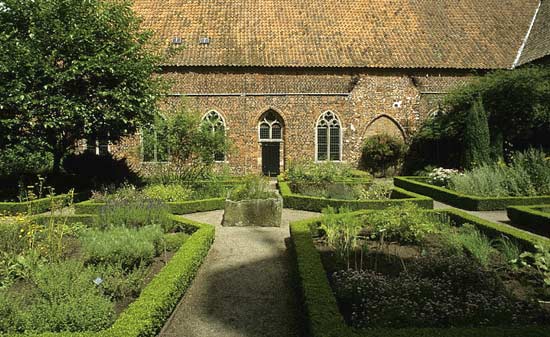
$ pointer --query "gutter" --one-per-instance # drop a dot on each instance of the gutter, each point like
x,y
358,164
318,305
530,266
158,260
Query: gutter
x,y
522,47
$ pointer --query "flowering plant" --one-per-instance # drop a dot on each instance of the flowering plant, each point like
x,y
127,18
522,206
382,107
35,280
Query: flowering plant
x,y
441,176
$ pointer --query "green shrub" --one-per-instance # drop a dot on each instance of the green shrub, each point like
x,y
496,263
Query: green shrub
x,y
485,180
253,187
376,191
173,241
380,152
136,212
121,245
108,193
324,172
508,248
147,315
342,232
120,282
11,319
537,165
477,145
211,189
540,261
63,298
477,244
10,236
18,160
406,223
171,192
527,175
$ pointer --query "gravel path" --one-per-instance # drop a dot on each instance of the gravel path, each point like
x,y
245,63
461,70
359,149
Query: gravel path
x,y
243,288
494,216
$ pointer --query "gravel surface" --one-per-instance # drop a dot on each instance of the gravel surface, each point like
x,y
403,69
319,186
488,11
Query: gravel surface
x,y
243,288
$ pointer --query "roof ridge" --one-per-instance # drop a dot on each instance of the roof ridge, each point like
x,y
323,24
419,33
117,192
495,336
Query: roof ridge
x,y
524,42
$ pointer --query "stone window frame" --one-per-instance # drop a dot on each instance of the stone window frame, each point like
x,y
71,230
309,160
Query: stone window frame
x,y
270,124
213,128
155,155
320,120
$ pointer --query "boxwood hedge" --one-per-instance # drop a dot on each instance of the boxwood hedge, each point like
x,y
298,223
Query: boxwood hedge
x,y
316,204
146,316
320,306
531,218
469,202
38,206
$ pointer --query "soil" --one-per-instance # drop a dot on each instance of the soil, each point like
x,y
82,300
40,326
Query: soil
x,y
392,258
387,259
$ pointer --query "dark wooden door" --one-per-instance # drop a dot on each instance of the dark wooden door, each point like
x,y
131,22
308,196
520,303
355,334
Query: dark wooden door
x,y
270,159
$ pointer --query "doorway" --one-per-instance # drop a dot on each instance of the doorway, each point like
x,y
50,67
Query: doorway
x,y
271,159
270,134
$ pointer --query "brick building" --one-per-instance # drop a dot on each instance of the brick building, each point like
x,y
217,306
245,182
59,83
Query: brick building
x,y
293,80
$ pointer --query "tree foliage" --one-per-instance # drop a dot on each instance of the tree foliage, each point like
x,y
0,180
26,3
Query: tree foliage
x,y
381,152
192,142
517,104
476,136
70,69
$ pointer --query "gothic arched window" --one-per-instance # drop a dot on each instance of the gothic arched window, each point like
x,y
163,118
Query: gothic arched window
x,y
271,128
329,137
215,122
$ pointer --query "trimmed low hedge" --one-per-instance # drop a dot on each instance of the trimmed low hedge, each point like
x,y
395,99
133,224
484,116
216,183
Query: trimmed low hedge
x,y
316,204
468,202
146,316
185,207
530,218
38,206
321,309
526,239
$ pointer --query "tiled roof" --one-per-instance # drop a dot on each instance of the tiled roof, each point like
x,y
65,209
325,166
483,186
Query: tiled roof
x,y
475,34
538,42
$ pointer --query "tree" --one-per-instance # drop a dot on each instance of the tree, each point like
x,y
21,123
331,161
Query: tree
x,y
517,103
193,144
381,152
73,69
476,136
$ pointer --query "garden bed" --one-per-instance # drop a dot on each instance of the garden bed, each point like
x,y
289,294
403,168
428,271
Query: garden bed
x,y
39,205
316,204
180,208
327,316
165,284
534,218
469,202
184,198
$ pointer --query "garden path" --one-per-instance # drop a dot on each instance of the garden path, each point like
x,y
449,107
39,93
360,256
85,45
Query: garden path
x,y
244,287
494,216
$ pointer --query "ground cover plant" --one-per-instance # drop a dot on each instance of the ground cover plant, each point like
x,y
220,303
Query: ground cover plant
x,y
251,188
335,181
165,192
60,276
405,267
528,174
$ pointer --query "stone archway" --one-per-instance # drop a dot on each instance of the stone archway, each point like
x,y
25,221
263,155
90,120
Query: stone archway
x,y
385,124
